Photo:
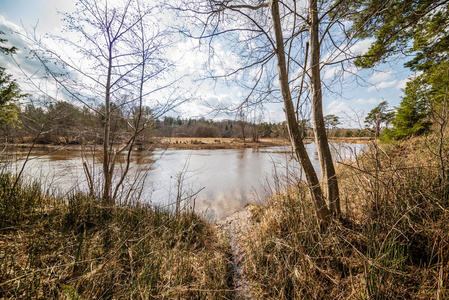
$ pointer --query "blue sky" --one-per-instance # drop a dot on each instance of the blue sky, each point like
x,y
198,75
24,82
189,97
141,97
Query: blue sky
x,y
350,101
31,12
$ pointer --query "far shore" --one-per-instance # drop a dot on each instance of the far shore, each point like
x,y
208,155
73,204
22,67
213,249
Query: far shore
x,y
193,143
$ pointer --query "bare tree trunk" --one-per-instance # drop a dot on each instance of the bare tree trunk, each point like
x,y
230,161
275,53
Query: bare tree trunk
x,y
242,122
109,45
107,129
292,123
255,133
137,123
326,162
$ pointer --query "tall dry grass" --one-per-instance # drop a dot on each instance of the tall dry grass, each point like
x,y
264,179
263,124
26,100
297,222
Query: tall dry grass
x,y
392,242
75,249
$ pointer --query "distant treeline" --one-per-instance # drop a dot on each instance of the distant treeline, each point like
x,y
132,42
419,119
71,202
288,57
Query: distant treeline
x,y
190,127
62,122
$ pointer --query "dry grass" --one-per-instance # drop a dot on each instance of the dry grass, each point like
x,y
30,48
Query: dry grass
x,y
393,242
349,140
218,143
205,143
75,249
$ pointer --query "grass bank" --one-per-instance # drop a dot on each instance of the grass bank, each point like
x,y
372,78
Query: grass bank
x,y
189,143
195,143
75,249
392,242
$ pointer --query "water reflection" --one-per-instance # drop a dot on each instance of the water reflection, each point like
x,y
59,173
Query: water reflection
x,y
227,179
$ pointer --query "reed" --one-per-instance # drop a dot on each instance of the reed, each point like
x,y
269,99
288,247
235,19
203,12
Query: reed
x,y
392,242
73,248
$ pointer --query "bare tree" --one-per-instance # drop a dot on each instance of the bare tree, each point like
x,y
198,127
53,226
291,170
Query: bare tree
x,y
292,122
113,62
242,121
255,122
284,41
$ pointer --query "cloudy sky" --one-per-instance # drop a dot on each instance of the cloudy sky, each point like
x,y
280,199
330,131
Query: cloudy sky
x,y
349,101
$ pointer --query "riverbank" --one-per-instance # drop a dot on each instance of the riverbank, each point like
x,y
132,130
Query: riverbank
x,y
232,143
76,248
174,143
217,143
198,143
392,241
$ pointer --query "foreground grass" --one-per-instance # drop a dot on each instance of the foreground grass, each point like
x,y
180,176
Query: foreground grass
x,y
75,249
392,242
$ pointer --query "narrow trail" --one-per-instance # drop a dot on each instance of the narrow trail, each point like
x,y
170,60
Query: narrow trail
x,y
234,227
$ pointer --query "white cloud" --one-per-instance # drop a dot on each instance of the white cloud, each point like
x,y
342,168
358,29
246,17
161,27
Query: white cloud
x,y
402,84
336,108
331,72
212,104
380,76
191,59
195,60
43,13
345,57
274,115
224,61
367,101
193,109
20,63
362,46
382,85
221,101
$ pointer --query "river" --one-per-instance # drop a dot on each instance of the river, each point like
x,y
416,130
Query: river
x,y
221,181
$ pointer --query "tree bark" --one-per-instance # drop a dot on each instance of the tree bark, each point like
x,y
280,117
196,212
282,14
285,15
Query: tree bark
x,y
292,123
107,129
327,166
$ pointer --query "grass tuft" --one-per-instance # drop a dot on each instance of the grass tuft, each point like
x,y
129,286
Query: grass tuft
x,y
74,248
392,242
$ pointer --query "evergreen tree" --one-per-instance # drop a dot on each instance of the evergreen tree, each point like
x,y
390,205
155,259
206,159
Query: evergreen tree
x,y
10,92
412,115
378,116
398,26
418,27
331,122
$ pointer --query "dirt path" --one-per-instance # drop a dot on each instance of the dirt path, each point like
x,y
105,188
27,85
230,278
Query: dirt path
x,y
234,227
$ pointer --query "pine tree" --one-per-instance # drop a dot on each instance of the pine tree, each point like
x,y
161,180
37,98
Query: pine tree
x,y
378,116
10,92
417,27
412,114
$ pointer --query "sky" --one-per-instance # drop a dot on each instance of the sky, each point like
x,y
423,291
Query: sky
x,y
351,101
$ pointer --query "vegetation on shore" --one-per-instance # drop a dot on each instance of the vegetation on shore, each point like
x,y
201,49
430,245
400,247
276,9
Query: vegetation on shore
x,y
391,243
201,143
63,123
73,248
388,237
232,143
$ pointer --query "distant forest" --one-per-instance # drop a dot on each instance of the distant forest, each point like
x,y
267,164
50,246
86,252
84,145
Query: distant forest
x,y
62,122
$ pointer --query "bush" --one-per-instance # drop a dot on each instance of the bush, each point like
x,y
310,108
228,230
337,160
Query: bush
x,y
349,133
204,130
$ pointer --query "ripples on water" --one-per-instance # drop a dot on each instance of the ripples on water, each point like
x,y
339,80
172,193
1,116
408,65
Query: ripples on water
x,y
225,180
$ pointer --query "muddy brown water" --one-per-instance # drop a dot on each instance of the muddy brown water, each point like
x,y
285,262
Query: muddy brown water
x,y
222,181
